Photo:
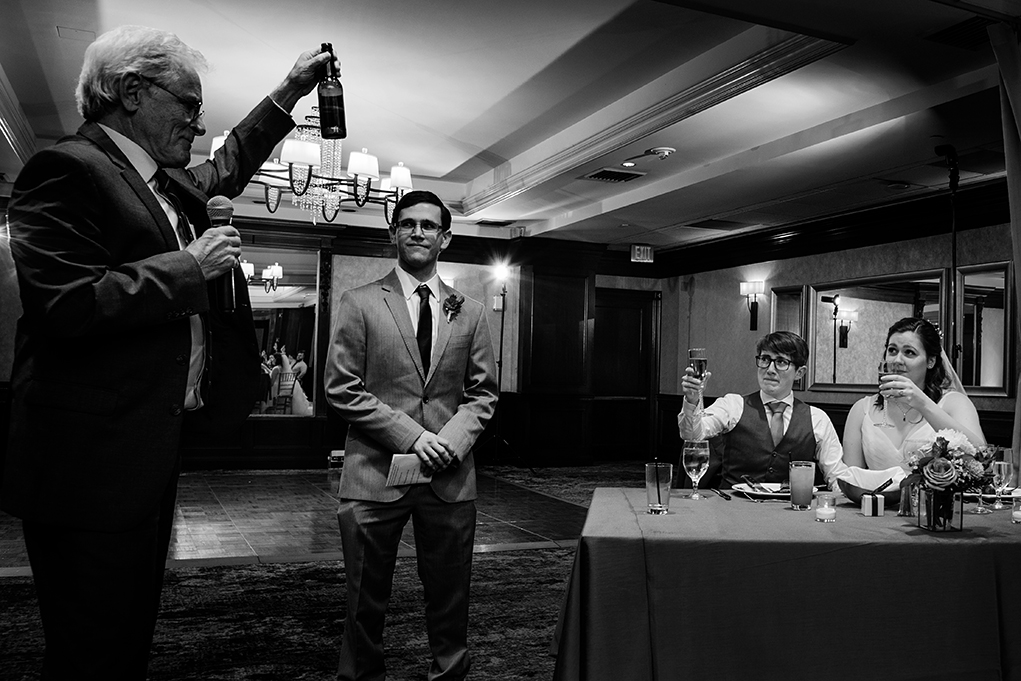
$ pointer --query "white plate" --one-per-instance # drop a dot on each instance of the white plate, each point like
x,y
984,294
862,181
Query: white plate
x,y
773,487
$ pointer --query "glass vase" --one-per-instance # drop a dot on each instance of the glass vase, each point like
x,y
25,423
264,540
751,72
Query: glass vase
x,y
940,511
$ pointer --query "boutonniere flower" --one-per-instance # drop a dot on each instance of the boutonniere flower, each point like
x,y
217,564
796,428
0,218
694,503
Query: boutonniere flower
x,y
452,305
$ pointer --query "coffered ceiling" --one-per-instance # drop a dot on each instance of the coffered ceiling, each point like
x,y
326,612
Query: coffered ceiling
x,y
519,113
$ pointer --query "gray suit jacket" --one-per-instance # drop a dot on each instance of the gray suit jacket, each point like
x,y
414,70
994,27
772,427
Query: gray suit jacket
x,y
374,379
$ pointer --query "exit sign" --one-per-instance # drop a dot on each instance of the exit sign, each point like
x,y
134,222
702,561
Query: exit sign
x,y
641,253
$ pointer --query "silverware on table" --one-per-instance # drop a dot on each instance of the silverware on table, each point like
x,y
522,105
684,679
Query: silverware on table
x,y
722,494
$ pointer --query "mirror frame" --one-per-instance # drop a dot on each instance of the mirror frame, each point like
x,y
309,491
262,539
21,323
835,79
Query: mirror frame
x,y
816,290
802,294
1009,351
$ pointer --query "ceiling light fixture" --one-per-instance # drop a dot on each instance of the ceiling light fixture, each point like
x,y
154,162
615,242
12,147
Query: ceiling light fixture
x,y
309,168
662,152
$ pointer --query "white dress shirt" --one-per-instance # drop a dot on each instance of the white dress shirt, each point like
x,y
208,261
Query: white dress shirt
x,y
725,412
409,285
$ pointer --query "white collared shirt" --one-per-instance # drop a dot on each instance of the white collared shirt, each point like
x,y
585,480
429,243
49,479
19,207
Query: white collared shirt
x,y
145,166
723,415
409,286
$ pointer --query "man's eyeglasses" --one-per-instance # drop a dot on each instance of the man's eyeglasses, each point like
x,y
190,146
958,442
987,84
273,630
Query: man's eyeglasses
x,y
427,226
192,107
763,362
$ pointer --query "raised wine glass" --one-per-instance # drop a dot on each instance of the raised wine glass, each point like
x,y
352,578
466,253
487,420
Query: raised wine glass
x,y
1003,471
886,369
695,459
698,360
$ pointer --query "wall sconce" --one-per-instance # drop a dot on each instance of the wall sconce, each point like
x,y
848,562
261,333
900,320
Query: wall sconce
x,y
750,290
270,275
849,316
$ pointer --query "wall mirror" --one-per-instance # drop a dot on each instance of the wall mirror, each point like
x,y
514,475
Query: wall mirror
x,y
284,290
848,322
984,329
788,314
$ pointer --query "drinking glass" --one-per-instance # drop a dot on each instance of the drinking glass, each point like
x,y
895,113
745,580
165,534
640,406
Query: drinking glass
x,y
885,369
658,480
698,360
802,474
695,459
1003,471
982,456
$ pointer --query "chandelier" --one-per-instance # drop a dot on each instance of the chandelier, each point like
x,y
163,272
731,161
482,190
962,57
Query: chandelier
x,y
309,168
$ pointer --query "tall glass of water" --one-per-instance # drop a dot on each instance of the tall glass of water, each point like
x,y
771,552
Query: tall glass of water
x,y
698,360
885,369
1003,471
695,459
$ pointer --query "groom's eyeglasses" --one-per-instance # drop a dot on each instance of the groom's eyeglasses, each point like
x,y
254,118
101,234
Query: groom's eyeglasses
x,y
427,226
763,362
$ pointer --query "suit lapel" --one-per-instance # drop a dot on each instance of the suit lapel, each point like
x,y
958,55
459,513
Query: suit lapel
x,y
393,296
444,328
135,182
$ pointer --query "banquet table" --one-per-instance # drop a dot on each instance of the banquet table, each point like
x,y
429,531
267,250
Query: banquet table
x,y
722,589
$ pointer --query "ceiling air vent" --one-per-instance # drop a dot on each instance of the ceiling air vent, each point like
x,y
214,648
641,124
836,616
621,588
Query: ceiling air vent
x,y
970,34
613,175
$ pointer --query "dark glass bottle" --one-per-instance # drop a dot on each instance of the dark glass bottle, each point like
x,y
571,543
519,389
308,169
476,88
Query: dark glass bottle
x,y
332,124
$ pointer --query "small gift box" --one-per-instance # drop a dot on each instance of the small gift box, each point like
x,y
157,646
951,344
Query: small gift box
x,y
872,504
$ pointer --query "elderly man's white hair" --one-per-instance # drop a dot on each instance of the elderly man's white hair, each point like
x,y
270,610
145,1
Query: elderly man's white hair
x,y
155,54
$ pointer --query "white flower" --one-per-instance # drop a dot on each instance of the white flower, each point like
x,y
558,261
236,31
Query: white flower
x,y
956,441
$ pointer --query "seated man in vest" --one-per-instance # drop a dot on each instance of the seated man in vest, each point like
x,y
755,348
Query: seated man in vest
x,y
763,432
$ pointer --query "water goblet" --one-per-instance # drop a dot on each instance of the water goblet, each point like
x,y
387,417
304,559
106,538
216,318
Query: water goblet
x,y
695,460
1003,472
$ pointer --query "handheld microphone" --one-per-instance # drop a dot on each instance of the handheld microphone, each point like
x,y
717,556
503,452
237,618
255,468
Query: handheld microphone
x,y
221,210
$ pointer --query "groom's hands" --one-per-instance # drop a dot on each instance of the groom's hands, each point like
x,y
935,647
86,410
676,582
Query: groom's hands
x,y
433,451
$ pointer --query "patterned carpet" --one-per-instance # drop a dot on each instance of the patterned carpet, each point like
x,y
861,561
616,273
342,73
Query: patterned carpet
x,y
284,620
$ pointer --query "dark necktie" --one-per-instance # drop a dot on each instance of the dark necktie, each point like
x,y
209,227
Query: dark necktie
x,y
425,327
163,187
776,421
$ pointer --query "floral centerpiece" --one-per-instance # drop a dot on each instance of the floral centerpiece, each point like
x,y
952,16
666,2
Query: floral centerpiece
x,y
943,470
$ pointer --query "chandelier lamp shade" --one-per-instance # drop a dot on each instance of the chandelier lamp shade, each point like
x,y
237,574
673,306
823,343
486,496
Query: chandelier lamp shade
x,y
309,168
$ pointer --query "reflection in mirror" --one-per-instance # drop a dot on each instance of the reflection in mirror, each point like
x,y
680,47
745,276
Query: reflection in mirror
x,y
788,308
984,328
284,292
850,320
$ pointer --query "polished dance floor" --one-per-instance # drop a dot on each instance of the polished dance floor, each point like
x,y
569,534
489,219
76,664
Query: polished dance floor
x,y
235,518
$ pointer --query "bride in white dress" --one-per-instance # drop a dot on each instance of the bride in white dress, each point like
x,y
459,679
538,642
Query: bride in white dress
x,y
926,398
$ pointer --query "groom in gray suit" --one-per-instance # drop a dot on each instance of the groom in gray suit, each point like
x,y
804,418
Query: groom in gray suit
x,y
411,371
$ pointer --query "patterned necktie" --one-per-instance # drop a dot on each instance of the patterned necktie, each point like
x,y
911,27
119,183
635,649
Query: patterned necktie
x,y
425,327
776,420
163,187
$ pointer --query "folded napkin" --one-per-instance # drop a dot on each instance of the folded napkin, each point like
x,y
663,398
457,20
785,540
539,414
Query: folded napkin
x,y
868,479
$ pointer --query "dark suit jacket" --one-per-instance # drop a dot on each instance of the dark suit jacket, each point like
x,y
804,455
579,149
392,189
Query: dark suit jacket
x,y
102,348
374,379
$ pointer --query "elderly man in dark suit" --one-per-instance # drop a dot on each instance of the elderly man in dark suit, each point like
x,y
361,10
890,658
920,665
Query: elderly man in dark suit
x,y
411,369
119,348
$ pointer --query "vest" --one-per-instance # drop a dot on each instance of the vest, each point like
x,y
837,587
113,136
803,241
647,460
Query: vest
x,y
749,446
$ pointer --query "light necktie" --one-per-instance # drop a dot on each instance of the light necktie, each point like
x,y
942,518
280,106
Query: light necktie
x,y
425,327
163,187
776,420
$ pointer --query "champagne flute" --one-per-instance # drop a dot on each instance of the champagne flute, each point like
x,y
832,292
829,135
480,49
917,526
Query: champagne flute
x,y
885,369
1003,471
695,459
698,360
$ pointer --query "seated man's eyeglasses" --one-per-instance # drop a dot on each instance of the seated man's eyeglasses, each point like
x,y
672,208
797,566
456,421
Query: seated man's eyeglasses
x,y
192,107
763,362
427,226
